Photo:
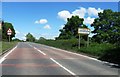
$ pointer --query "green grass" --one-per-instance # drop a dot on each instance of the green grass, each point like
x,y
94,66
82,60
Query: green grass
x,y
0,47
104,51
94,49
63,44
7,45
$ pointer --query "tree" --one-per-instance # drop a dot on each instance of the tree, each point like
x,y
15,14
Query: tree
x,y
30,37
0,29
16,39
107,27
70,30
5,27
42,39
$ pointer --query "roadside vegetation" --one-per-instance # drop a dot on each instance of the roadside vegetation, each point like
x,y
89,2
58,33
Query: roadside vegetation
x,y
0,47
7,45
94,49
105,44
4,43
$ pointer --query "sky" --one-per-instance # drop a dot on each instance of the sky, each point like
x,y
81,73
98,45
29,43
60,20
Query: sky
x,y
45,19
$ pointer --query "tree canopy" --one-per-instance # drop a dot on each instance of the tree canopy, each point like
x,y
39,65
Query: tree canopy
x,y
70,30
107,27
30,37
5,27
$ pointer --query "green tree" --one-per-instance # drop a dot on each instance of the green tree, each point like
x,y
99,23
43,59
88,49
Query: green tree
x,y
16,39
107,27
41,39
0,30
5,27
70,30
30,37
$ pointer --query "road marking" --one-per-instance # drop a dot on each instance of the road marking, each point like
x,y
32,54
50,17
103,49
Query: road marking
x,y
76,54
4,57
82,55
63,67
1,60
30,45
39,51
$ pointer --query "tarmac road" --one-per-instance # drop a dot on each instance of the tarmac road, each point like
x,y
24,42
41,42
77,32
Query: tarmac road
x,y
36,59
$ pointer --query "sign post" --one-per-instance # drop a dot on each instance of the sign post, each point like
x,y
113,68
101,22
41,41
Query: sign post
x,y
9,33
79,41
85,31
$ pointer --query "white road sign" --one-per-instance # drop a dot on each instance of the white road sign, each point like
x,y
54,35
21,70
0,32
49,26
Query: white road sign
x,y
9,32
83,31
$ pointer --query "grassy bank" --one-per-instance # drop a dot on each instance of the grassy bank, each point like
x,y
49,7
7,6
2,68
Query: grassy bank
x,y
72,45
7,45
103,51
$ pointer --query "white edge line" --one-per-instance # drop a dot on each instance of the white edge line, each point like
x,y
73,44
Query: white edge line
x,y
4,57
63,67
84,56
77,54
1,60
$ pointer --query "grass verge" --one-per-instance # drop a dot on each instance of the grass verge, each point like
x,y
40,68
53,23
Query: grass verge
x,y
7,45
104,51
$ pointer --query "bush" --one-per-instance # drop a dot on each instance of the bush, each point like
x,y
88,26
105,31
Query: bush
x,y
96,49
112,55
105,51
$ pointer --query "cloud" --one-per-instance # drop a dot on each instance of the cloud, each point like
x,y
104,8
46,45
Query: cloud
x,y
64,15
17,32
79,12
23,38
47,27
61,27
82,13
88,20
41,21
93,11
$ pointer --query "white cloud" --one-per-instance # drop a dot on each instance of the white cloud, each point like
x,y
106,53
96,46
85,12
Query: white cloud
x,y
61,27
79,12
47,27
41,21
88,20
23,38
93,11
64,15
17,32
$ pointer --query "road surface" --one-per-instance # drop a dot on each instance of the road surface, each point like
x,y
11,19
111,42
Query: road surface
x,y
35,59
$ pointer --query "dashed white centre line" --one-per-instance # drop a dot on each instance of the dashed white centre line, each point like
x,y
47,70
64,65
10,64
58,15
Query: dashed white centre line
x,y
55,61
39,51
63,67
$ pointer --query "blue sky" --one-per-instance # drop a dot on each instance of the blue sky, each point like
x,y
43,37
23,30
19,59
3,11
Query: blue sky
x,y
44,19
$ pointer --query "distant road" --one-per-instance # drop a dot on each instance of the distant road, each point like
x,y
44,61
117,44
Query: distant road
x,y
35,59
